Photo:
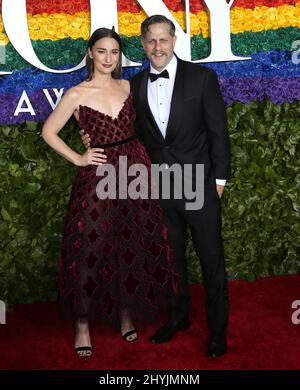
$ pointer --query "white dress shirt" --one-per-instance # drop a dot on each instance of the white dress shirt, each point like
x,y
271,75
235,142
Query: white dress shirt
x,y
160,94
159,97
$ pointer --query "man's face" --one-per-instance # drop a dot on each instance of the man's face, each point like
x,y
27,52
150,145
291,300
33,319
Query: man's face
x,y
105,54
159,45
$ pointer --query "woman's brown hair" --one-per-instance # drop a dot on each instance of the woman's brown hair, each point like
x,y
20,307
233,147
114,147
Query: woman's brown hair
x,y
100,33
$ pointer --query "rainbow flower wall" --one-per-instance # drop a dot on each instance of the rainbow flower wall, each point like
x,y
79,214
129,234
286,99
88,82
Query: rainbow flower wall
x,y
59,29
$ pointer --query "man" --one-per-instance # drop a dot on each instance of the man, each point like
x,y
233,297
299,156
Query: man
x,y
181,119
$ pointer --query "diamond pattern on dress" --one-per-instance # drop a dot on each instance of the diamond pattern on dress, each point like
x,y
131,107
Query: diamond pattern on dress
x,y
77,245
107,273
125,211
94,215
160,274
150,226
146,267
91,259
105,226
128,256
108,304
146,205
155,249
114,252
85,204
126,233
93,236
81,225
107,249
74,270
90,287
131,284
142,242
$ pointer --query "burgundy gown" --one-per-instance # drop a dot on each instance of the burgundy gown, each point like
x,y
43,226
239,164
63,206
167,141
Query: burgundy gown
x,y
115,252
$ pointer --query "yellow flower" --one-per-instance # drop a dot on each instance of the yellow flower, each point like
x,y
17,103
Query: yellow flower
x,y
258,12
1,24
50,30
287,16
3,39
85,31
129,24
60,19
200,24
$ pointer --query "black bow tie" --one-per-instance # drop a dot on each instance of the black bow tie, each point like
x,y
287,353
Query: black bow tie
x,y
154,76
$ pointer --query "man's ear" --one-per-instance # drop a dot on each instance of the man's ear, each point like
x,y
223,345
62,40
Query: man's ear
x,y
174,40
143,42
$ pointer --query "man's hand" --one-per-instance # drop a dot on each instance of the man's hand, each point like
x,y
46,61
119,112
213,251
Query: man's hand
x,y
220,190
85,138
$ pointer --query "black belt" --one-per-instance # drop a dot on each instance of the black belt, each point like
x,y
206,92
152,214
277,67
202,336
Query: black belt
x,y
121,142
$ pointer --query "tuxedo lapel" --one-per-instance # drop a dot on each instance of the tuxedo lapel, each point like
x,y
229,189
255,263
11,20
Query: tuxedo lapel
x,y
147,113
176,102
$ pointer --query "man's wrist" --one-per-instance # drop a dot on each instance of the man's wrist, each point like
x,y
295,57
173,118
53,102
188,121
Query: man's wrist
x,y
221,182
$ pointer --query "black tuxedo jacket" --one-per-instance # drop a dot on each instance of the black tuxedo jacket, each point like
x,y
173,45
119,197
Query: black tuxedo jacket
x,y
197,128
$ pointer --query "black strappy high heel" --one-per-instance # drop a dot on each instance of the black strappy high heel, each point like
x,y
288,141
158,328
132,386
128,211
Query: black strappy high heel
x,y
128,331
132,332
84,352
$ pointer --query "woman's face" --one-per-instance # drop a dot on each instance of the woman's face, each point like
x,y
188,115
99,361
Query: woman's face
x,y
105,54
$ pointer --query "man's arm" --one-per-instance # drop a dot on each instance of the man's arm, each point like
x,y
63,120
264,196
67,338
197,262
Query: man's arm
x,y
216,123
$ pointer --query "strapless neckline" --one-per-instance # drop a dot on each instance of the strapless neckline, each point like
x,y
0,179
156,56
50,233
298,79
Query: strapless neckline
x,y
103,113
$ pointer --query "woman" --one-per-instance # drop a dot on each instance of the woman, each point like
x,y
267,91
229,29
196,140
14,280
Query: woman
x,y
115,260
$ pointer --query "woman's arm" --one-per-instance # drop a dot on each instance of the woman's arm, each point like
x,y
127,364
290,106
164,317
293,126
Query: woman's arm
x,y
56,122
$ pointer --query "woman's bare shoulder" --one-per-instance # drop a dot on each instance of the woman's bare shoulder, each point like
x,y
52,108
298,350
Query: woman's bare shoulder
x,y
78,93
73,93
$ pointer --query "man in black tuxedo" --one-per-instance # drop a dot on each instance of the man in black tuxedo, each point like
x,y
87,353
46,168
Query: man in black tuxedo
x,y
181,119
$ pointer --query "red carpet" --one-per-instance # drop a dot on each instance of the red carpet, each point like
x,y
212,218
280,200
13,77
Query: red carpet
x,y
261,336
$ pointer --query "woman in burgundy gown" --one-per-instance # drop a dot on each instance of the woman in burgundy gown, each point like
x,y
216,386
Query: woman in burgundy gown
x,y
116,262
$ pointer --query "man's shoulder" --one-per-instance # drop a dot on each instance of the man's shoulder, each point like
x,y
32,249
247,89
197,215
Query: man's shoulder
x,y
196,69
138,76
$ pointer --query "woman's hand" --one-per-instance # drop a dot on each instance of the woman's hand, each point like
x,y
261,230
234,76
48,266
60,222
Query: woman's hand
x,y
91,156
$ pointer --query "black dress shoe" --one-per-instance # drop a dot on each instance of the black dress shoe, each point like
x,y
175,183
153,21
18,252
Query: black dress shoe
x,y
217,346
166,333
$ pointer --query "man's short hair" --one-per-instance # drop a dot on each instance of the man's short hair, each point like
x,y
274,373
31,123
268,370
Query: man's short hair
x,y
154,19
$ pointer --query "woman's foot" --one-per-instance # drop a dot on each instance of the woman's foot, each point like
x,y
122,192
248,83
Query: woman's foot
x,y
83,346
128,331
